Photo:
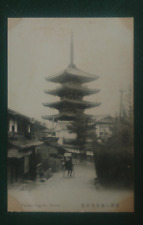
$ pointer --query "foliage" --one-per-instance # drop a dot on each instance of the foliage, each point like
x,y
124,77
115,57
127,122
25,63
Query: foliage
x,y
82,126
114,159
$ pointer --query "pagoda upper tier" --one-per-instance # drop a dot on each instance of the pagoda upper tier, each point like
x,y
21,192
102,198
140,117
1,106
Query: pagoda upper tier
x,y
72,89
72,74
71,92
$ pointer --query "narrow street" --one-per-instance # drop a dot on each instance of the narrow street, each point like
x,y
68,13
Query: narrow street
x,y
69,194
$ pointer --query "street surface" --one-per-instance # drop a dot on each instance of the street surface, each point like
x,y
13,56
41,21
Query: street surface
x,y
69,194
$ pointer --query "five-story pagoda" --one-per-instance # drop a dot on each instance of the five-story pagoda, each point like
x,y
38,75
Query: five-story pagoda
x,y
71,91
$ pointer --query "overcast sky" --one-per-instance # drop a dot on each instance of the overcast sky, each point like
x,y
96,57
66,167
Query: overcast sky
x,y
40,47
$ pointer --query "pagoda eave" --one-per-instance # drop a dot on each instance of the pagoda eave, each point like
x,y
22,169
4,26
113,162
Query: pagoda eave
x,y
72,73
61,117
62,91
71,104
65,117
66,77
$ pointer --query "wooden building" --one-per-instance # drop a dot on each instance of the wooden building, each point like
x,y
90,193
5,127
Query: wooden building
x,y
32,148
104,128
23,147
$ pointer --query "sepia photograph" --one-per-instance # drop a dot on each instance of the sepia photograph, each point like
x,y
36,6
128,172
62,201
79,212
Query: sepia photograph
x,y
70,136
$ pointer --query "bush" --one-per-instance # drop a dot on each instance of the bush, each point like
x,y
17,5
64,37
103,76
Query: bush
x,y
114,159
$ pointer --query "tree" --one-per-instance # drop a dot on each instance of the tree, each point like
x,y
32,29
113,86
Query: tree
x,y
114,160
84,128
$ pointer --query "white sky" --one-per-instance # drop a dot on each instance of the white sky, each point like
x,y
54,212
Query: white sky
x,y
40,47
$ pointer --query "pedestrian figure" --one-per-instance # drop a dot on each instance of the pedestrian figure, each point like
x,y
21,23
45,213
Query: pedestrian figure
x,y
68,164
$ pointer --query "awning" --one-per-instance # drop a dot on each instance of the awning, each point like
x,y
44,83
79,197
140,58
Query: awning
x,y
25,143
31,144
14,153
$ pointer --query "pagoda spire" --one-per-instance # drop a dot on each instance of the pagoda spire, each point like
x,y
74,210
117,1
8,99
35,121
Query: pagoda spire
x,y
71,51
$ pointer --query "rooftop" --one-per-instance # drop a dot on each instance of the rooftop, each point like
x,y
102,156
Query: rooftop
x,y
73,73
14,153
23,143
15,114
63,117
66,103
75,90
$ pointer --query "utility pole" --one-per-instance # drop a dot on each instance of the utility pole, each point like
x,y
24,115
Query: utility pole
x,y
121,104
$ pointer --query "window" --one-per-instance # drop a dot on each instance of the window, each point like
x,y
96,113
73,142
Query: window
x,y
29,130
12,125
12,128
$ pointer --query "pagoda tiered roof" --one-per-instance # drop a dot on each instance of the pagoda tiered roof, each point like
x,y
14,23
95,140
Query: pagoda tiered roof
x,y
71,92
61,116
71,103
65,116
75,90
72,73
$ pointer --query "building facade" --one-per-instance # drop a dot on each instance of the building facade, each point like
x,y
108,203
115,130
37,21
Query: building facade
x,y
24,146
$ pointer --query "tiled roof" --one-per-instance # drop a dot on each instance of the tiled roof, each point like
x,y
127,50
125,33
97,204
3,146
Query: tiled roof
x,y
24,143
14,153
72,72
29,119
65,101
64,117
64,89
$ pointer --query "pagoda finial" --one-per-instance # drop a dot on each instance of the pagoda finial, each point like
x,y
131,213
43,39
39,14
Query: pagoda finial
x,y
71,50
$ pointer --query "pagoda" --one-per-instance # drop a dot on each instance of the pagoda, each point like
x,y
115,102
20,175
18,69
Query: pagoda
x,y
71,92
